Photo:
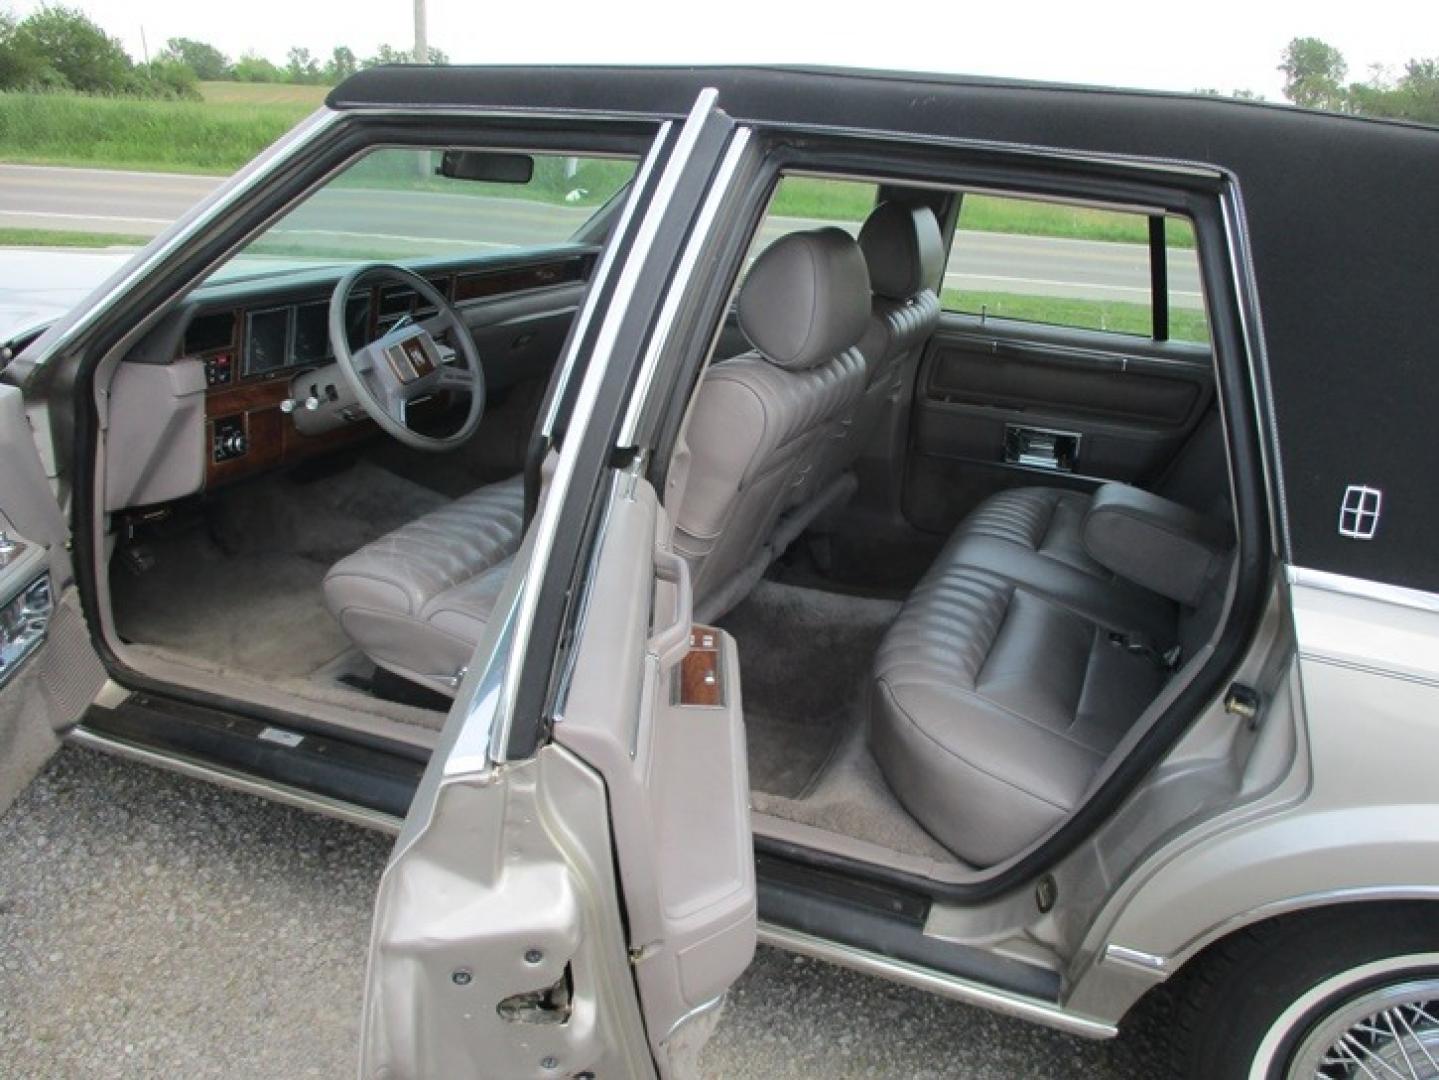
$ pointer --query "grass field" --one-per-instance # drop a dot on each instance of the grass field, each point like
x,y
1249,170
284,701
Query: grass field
x,y
1185,324
301,98
65,238
129,133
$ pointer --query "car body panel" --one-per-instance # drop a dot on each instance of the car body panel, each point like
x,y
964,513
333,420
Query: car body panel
x,y
1355,820
49,671
539,850
37,287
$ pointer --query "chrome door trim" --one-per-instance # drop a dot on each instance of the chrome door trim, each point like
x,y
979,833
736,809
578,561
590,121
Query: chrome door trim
x,y
934,982
679,286
1251,326
1365,588
547,521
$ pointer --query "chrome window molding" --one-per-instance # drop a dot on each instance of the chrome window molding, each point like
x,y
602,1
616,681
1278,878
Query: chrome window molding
x,y
679,286
1364,588
547,521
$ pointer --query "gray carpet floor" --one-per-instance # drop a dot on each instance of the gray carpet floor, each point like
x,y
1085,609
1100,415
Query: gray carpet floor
x,y
804,655
244,588
805,658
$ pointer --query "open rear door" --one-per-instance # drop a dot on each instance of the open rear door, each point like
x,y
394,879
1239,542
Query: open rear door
x,y
573,890
49,671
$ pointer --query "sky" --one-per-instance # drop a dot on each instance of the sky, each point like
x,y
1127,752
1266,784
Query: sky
x,y
1220,44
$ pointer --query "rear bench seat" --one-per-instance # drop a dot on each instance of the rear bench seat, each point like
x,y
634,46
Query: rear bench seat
x,y
1048,623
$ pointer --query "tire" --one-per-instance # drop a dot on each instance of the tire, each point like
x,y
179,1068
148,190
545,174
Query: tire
x,y
1273,1002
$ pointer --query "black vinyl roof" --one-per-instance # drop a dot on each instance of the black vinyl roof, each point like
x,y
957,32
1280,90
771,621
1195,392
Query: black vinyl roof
x,y
860,99
1342,214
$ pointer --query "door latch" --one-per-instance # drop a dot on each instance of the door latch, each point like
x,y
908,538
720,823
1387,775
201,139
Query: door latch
x,y
1244,702
550,1005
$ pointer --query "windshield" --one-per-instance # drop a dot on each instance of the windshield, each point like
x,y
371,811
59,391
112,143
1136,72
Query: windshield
x,y
394,206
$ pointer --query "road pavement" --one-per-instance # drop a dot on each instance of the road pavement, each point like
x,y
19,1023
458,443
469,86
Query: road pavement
x,y
154,926
371,223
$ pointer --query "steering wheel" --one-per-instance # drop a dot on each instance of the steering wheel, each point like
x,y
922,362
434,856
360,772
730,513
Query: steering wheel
x,y
406,363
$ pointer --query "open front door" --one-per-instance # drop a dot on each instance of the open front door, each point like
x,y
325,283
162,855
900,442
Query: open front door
x,y
573,890
48,670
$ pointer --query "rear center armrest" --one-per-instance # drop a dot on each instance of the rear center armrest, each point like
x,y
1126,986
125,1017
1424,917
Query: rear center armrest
x,y
1160,545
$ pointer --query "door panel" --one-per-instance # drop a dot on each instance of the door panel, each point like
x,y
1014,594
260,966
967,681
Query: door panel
x,y
663,723
49,671
1001,405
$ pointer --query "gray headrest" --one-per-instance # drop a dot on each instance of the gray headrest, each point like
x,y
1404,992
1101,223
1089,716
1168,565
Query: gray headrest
x,y
903,248
806,298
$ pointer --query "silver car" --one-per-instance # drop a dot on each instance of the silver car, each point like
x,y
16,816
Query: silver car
x,y
968,531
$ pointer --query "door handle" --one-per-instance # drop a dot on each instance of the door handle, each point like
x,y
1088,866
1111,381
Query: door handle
x,y
670,644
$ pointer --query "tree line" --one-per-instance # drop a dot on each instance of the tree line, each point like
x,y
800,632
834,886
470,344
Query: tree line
x,y
62,49
1316,77
1316,74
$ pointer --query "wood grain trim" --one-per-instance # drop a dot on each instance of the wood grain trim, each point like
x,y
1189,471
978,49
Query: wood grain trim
x,y
481,284
229,400
701,680
272,436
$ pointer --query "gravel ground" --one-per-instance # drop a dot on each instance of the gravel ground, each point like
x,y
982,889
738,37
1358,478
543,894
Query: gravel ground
x,y
156,926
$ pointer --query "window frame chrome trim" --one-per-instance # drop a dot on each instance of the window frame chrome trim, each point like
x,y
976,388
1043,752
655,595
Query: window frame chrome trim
x,y
547,520
679,285
602,271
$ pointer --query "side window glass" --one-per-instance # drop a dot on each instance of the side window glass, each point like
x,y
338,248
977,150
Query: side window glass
x,y
811,202
1075,266
1187,321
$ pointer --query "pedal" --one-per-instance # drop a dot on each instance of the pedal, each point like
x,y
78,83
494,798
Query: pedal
x,y
138,559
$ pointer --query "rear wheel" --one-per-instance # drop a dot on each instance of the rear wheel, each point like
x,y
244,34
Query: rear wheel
x,y
1342,994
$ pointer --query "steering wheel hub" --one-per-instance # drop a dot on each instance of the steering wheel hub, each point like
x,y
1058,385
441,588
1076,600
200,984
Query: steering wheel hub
x,y
407,364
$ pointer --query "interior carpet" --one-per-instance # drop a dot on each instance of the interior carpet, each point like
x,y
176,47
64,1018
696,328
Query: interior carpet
x,y
243,589
256,612
804,660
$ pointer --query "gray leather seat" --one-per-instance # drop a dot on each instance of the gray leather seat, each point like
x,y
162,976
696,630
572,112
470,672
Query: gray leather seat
x,y
417,600
1047,625
904,252
759,422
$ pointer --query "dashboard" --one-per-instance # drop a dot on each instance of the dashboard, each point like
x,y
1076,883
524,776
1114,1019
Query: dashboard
x,y
255,337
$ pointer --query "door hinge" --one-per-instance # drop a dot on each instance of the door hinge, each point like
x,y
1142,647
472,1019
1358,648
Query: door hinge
x,y
1244,702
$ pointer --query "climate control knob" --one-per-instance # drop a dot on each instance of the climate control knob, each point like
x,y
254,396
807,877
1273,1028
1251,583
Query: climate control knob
x,y
233,443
